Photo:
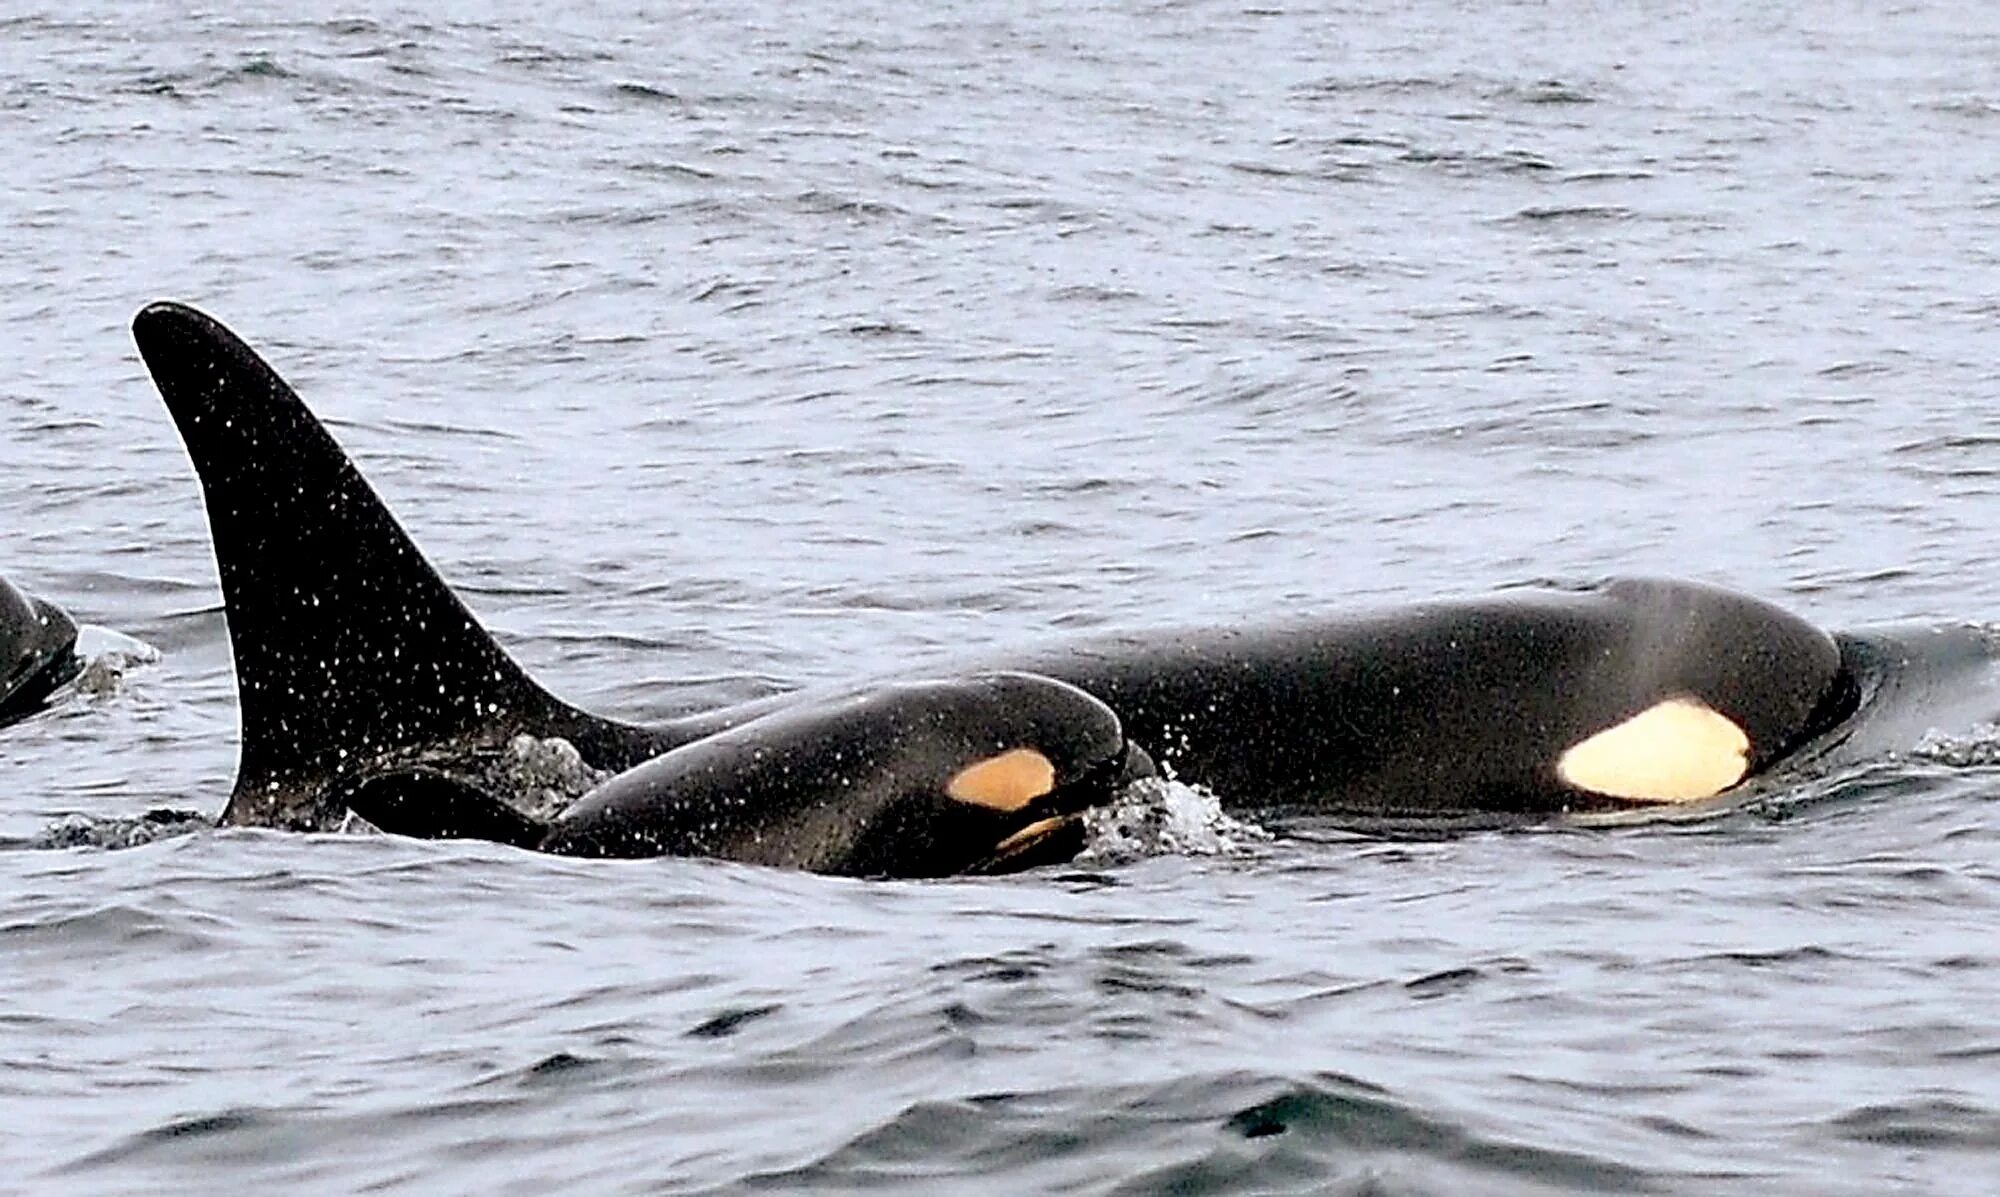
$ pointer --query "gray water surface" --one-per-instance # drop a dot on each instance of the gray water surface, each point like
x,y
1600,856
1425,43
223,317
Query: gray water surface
x,y
717,352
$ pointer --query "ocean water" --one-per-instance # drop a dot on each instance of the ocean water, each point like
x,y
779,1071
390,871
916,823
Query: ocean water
x,y
716,351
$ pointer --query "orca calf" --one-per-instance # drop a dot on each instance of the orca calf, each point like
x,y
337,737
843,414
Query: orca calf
x,y
37,652
355,661
985,774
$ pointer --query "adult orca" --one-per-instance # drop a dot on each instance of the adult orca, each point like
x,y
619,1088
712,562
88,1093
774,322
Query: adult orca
x,y
37,652
353,655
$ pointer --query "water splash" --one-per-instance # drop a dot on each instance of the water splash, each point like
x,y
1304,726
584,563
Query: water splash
x,y
107,657
1157,817
112,832
545,776
1978,745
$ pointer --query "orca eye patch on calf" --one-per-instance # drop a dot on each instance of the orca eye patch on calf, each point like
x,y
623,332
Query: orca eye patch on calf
x,y
1679,750
1007,781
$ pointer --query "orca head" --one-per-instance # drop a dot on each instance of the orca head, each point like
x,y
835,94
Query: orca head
x,y
1041,752
983,774
987,773
37,651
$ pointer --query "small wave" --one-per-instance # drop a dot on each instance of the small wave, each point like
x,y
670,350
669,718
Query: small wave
x,y
1976,106
563,1070
194,1135
647,92
1804,956
1546,91
730,1021
1940,1123
1473,164
1202,1134
1570,214
1338,86
194,83
93,933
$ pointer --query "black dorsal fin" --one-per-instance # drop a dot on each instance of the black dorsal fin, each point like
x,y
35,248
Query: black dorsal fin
x,y
351,652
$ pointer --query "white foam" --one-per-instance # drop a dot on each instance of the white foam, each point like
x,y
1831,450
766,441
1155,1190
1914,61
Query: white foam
x,y
544,776
113,832
107,655
1157,817
1978,745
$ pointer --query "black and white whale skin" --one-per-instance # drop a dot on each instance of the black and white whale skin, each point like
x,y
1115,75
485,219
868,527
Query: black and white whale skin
x,y
37,652
354,658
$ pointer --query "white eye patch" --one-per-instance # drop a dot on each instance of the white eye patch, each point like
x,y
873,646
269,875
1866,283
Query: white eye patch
x,y
1679,750
1006,782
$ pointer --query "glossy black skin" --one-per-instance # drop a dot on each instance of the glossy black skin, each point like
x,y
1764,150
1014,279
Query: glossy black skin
x,y
1456,706
353,655
857,786
1455,710
37,652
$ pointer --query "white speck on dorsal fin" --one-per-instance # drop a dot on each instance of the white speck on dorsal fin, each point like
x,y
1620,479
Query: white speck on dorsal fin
x,y
1679,750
